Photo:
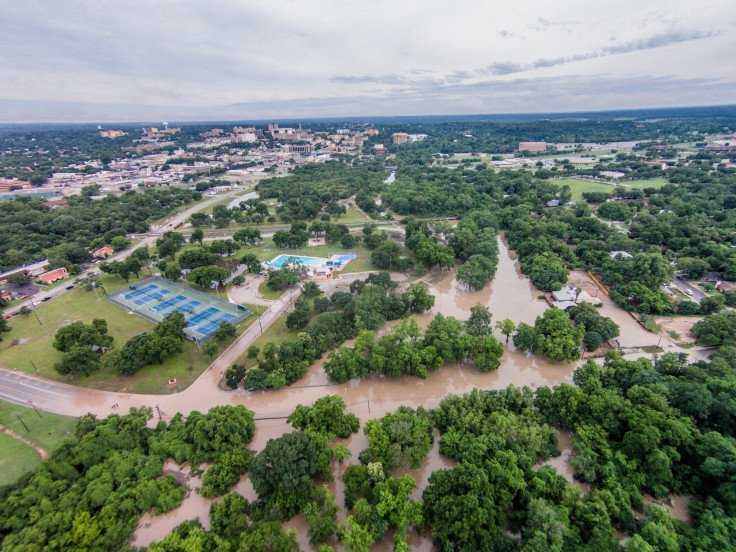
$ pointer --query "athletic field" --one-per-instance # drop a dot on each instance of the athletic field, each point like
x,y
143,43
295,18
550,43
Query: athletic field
x,y
155,298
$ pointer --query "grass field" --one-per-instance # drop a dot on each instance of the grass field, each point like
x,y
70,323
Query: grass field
x,y
648,183
46,432
268,294
16,458
577,187
28,341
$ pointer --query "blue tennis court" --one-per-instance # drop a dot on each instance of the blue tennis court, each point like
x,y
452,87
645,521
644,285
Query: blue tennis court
x,y
155,298
138,292
188,307
213,325
168,303
150,296
202,316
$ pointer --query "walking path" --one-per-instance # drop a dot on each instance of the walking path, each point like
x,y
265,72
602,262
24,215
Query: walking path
x,y
34,446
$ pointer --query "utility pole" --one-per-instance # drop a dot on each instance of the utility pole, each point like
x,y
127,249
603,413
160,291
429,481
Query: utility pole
x,y
159,412
35,367
36,409
33,308
17,415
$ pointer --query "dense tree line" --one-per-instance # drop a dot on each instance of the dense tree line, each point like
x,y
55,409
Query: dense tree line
x,y
31,230
156,346
405,350
367,307
316,186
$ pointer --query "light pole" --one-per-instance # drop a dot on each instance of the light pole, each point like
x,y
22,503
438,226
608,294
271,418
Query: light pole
x,y
33,307
17,415
34,408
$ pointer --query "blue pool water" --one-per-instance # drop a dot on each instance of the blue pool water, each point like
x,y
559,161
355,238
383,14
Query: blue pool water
x,y
307,261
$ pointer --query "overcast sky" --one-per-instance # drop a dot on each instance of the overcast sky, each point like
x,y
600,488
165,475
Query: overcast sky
x,y
131,60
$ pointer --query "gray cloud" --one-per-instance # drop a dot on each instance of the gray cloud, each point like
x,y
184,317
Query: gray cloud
x,y
501,68
655,41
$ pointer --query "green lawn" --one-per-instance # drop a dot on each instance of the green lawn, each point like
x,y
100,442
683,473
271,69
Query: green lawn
x,y
28,341
577,187
353,215
277,333
16,459
268,294
47,431
648,183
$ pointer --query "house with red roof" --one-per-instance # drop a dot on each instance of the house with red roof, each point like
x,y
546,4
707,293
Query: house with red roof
x,y
103,252
53,275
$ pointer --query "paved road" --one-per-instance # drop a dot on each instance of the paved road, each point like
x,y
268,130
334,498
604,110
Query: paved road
x,y
60,398
697,294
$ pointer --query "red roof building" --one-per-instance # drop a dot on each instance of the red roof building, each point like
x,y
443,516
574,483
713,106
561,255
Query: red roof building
x,y
5,185
103,252
53,275
56,202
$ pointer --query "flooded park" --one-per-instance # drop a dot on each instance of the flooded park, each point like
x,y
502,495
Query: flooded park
x,y
510,295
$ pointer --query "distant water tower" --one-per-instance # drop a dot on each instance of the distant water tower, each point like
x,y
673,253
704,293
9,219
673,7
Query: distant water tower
x,y
166,125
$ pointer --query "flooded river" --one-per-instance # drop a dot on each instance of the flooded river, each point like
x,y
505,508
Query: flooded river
x,y
510,295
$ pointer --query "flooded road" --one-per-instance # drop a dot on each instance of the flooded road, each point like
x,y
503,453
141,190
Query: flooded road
x,y
510,295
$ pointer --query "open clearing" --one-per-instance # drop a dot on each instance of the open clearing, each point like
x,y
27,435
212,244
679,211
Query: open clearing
x,y
577,187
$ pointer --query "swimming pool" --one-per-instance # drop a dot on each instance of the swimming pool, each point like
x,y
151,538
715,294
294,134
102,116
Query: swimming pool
x,y
279,261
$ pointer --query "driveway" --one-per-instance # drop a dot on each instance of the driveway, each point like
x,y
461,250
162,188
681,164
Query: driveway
x,y
697,294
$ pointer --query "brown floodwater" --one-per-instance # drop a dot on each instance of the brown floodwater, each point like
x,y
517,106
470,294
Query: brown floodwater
x,y
562,462
676,505
510,295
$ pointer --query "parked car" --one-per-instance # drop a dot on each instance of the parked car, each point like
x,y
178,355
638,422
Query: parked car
x,y
24,296
45,298
70,286
7,316
689,292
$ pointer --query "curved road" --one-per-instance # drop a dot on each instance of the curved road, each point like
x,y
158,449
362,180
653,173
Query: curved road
x,y
70,400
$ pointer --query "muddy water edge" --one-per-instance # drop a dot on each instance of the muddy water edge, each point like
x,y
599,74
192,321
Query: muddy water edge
x,y
510,295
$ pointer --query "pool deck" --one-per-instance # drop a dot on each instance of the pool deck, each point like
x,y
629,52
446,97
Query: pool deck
x,y
335,261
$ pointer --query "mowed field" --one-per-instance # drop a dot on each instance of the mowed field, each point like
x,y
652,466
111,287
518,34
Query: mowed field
x,y
45,431
28,341
577,187
16,458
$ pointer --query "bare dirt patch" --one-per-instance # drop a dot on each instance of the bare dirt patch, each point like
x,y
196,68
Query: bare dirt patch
x,y
680,325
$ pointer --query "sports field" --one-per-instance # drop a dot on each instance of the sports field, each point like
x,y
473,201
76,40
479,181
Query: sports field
x,y
155,298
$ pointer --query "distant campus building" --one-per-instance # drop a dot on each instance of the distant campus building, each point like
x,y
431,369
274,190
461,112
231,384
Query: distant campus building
x,y
533,147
